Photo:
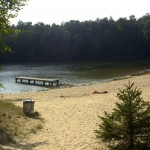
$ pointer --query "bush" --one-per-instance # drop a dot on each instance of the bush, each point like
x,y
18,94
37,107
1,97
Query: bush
x,y
128,126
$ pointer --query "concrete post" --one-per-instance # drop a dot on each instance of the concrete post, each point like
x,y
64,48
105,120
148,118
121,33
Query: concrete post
x,y
28,106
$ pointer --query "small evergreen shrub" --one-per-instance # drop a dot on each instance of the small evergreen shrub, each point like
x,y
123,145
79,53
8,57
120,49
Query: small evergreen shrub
x,y
128,126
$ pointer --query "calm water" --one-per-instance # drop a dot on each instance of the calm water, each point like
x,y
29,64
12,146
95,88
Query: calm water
x,y
69,74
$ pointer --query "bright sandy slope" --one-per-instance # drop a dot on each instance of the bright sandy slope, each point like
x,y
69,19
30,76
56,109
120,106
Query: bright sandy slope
x,y
71,114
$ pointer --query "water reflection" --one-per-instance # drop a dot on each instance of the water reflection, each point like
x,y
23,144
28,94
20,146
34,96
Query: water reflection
x,y
69,74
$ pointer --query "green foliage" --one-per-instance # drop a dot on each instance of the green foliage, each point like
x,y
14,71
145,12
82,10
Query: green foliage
x,y
1,86
128,126
8,9
89,40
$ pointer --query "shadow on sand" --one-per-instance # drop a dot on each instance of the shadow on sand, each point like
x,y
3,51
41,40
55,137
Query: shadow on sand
x,y
23,146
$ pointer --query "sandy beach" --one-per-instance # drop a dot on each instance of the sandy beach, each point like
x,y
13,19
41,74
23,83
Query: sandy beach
x,y
71,114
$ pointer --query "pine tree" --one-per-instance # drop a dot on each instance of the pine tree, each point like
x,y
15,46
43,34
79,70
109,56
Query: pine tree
x,y
128,126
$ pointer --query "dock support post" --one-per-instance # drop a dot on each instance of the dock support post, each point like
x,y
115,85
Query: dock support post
x,y
57,83
43,82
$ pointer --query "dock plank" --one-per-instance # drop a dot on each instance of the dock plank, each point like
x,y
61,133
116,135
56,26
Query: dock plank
x,y
32,80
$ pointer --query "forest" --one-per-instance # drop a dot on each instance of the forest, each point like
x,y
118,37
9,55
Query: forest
x,y
102,39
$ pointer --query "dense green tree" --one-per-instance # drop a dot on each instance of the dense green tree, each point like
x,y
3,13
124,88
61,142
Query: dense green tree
x,y
74,40
128,126
8,10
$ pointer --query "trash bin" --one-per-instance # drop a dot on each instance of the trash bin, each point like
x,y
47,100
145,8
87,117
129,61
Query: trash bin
x,y
28,106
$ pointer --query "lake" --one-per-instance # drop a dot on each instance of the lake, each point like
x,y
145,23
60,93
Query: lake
x,y
69,74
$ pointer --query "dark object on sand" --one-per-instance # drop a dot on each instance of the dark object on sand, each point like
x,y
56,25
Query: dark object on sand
x,y
28,106
99,92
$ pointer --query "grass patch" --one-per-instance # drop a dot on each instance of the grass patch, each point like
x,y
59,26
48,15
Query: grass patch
x,y
15,125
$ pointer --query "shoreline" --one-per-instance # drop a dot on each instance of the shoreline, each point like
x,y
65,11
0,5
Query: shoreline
x,y
71,114
144,72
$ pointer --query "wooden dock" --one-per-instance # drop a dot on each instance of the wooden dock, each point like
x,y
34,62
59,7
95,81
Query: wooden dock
x,y
37,81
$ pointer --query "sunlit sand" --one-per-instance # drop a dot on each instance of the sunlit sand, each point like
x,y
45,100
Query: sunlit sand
x,y
71,114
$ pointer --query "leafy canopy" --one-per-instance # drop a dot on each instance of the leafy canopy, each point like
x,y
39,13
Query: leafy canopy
x,y
8,10
128,126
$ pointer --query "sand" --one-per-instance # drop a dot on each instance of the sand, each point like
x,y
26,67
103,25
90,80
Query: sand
x,y
71,114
